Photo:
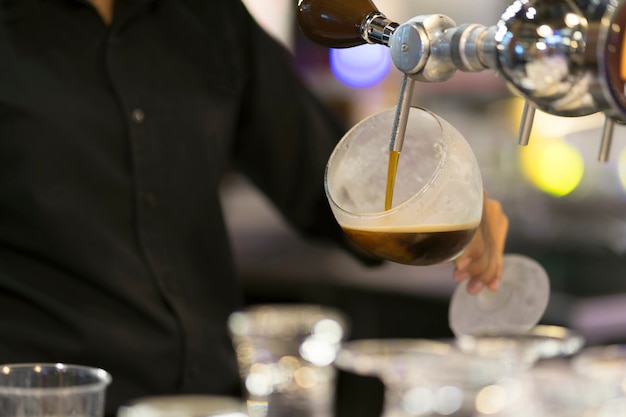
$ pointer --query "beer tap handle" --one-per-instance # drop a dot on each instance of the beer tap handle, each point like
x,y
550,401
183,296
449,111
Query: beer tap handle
x,y
402,114
607,138
343,23
526,125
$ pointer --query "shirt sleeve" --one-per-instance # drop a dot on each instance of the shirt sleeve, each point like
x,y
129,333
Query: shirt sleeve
x,y
285,135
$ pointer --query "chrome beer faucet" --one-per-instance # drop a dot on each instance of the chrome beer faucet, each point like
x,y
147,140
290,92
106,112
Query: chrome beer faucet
x,y
564,57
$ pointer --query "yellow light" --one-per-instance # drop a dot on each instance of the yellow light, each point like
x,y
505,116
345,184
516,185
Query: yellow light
x,y
548,161
552,165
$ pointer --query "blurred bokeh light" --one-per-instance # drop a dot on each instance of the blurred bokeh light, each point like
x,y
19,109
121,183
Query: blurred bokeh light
x,y
360,66
552,165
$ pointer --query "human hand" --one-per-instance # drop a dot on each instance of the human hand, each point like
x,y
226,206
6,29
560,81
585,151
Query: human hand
x,y
481,262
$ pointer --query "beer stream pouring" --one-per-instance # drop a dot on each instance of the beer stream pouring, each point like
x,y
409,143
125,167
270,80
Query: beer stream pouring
x,y
564,57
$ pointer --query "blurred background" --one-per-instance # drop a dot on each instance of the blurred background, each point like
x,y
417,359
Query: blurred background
x,y
566,209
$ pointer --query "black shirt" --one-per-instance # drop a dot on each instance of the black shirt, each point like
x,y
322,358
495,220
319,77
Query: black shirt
x,y
113,142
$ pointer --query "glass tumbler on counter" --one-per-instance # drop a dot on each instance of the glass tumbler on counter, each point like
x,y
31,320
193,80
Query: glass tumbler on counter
x,y
605,367
285,354
52,390
524,349
424,378
560,391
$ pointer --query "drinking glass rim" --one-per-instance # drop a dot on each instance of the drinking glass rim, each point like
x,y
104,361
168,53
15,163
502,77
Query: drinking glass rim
x,y
417,195
310,312
102,378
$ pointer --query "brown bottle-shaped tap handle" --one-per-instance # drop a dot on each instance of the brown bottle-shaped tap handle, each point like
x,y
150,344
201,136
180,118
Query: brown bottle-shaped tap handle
x,y
335,23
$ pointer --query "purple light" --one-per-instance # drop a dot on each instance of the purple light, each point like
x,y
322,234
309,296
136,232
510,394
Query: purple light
x,y
360,66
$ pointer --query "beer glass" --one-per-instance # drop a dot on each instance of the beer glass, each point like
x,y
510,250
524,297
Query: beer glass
x,y
434,211
437,195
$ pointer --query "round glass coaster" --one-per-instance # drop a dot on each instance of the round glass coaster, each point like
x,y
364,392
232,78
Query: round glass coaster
x,y
516,306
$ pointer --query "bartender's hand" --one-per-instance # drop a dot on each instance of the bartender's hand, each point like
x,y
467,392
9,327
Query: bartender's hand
x,y
481,262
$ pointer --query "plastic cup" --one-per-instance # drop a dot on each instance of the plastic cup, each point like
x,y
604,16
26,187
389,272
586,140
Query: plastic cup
x,y
52,390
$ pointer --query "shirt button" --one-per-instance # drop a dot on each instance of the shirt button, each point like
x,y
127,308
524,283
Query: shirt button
x,y
137,115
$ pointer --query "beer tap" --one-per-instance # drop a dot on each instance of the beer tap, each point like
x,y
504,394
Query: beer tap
x,y
564,57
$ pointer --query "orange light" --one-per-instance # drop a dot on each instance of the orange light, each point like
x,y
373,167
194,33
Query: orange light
x,y
623,63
